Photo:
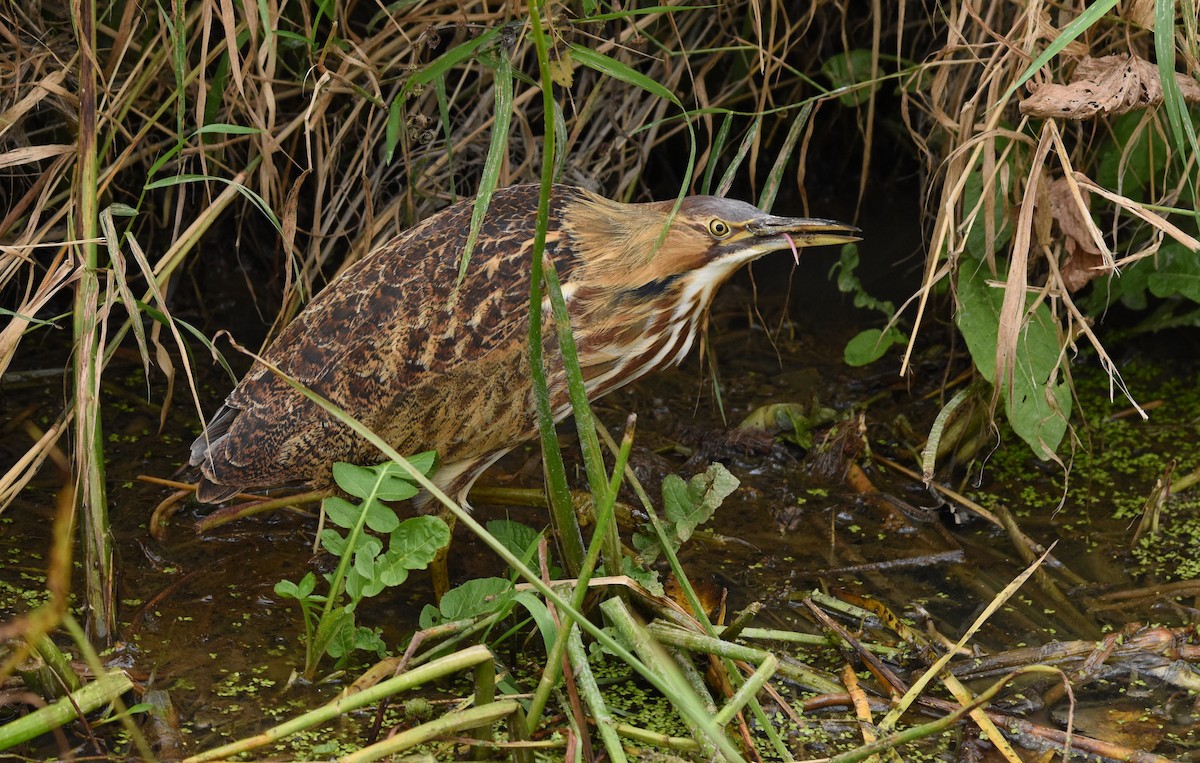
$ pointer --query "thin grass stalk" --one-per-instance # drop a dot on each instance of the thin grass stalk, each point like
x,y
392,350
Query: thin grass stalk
x,y
562,512
90,494
451,723
676,636
75,631
56,661
748,690
1178,115
94,695
485,694
691,674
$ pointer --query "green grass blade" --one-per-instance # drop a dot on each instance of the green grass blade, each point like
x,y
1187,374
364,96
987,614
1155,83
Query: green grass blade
x,y
1182,129
614,68
650,10
766,199
497,153
718,145
254,198
739,157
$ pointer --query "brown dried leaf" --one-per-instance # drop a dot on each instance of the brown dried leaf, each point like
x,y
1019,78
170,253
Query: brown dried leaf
x,y
1069,216
1108,85
1084,260
1081,267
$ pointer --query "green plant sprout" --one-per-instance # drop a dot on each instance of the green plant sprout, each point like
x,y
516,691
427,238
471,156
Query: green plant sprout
x,y
367,567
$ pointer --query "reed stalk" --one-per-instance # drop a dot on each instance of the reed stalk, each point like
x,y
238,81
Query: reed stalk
x,y
89,332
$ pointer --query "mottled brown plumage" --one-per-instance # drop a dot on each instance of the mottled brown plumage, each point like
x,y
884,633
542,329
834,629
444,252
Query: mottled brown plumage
x,y
430,368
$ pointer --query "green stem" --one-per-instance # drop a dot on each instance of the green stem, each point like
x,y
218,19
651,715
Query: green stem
x,y
594,697
43,720
337,583
562,514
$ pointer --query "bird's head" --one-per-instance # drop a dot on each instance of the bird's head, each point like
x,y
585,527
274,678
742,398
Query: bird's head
x,y
641,253
643,279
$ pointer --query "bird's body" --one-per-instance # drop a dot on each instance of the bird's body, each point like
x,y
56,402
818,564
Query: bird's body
x,y
431,366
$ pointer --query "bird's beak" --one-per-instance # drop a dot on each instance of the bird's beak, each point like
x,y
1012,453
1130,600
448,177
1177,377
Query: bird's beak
x,y
803,231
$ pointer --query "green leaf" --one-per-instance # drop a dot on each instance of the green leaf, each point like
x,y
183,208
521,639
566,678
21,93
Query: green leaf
x,y
287,589
359,586
847,70
358,481
541,615
481,596
648,578
340,511
848,281
381,518
412,546
435,71
871,345
1038,405
1131,284
307,585
497,157
977,242
365,552
1178,273
394,128
690,507
451,58
614,68
521,540
387,481
369,640
219,128
332,541
430,616
687,505
978,315
1040,402
330,628
339,641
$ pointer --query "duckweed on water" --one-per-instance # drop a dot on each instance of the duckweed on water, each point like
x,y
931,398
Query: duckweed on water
x,y
1115,463
1173,553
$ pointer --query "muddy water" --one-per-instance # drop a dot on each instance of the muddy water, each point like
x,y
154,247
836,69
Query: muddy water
x,y
199,616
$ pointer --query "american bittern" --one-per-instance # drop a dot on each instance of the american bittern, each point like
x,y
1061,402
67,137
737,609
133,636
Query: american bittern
x,y
388,344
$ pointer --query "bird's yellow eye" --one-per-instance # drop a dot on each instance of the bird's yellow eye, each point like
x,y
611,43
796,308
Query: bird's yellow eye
x,y
719,228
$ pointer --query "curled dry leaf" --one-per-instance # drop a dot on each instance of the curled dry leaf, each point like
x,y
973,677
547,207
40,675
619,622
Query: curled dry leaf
x,y
1108,85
